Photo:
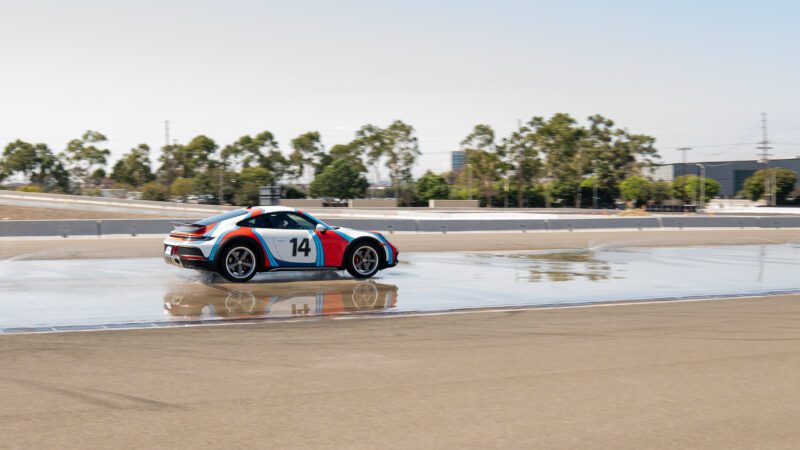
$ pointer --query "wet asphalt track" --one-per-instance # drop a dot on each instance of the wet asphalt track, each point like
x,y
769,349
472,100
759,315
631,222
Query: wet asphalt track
x,y
50,295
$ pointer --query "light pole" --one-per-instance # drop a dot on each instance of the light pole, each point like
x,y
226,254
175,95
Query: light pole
x,y
469,181
221,181
702,184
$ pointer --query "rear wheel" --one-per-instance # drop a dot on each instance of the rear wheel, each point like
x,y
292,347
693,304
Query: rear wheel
x,y
364,260
238,263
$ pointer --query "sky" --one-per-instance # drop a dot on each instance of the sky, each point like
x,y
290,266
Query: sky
x,y
690,73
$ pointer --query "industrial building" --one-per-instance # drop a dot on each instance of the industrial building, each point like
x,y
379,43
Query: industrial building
x,y
457,160
730,174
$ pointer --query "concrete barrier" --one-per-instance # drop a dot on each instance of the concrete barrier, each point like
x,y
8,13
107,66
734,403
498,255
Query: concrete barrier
x,y
372,203
10,228
710,222
610,223
779,222
302,202
454,203
445,226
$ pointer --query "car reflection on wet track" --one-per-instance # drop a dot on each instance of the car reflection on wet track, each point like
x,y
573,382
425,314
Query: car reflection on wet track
x,y
272,300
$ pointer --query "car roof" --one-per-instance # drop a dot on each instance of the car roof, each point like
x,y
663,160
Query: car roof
x,y
269,209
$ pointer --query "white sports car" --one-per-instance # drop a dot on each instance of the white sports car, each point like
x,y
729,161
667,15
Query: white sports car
x,y
243,242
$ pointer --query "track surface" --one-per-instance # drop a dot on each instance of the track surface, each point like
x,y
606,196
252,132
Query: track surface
x,y
705,375
53,295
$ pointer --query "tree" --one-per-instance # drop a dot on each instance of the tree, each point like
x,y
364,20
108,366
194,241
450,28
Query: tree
x,y
249,182
36,162
134,167
785,179
84,155
432,187
483,159
397,145
616,153
566,161
660,191
522,156
208,183
181,187
307,150
187,160
687,188
635,188
155,191
343,178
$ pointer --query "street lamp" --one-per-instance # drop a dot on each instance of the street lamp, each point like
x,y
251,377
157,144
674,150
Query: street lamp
x,y
702,184
469,181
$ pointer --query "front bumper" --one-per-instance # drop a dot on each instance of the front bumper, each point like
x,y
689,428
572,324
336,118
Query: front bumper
x,y
186,257
395,260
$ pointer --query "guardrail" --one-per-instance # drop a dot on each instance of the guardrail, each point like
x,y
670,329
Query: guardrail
x,y
10,228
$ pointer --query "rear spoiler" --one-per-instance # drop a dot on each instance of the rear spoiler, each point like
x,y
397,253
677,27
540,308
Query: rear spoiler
x,y
187,227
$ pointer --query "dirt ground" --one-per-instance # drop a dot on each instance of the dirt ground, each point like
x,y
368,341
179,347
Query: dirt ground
x,y
8,212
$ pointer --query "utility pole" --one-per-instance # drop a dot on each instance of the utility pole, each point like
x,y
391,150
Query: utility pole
x,y
702,185
469,181
221,179
166,132
167,152
765,148
685,151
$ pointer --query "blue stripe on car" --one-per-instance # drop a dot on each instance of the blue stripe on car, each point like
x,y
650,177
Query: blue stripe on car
x,y
216,244
315,219
389,252
320,252
348,238
272,262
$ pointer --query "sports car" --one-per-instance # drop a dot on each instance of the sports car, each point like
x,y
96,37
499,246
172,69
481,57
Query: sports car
x,y
240,243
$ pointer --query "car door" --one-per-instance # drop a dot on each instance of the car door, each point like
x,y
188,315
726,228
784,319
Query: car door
x,y
292,238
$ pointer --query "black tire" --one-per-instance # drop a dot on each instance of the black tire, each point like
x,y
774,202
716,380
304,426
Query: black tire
x,y
238,262
357,263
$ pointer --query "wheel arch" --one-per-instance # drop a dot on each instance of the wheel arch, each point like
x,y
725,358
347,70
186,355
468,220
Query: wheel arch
x,y
362,240
246,240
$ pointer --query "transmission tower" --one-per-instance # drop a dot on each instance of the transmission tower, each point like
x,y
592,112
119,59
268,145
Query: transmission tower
x,y
685,151
769,181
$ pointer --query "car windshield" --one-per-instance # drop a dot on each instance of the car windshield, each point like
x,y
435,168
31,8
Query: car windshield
x,y
221,217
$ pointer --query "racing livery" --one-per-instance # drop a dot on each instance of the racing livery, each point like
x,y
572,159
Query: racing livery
x,y
240,243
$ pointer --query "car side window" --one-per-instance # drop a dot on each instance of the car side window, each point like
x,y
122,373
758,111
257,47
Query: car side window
x,y
302,222
289,221
261,221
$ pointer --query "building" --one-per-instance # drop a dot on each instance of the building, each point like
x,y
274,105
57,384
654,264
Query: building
x,y
457,160
729,174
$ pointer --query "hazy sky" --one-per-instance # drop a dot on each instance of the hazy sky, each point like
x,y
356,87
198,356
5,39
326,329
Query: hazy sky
x,y
690,73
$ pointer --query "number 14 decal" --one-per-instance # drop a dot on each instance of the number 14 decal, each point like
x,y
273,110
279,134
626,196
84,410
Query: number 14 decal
x,y
303,247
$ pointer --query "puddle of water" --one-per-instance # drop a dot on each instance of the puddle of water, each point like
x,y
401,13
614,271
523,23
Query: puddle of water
x,y
147,291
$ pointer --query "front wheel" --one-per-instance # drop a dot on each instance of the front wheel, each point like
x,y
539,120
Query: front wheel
x,y
238,263
363,261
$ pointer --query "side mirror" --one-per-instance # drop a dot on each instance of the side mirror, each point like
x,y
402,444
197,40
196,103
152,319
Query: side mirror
x,y
321,228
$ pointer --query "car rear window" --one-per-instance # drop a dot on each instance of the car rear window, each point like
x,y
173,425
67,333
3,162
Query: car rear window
x,y
221,217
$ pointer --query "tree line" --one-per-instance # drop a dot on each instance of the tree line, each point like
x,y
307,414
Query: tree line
x,y
231,173
553,161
